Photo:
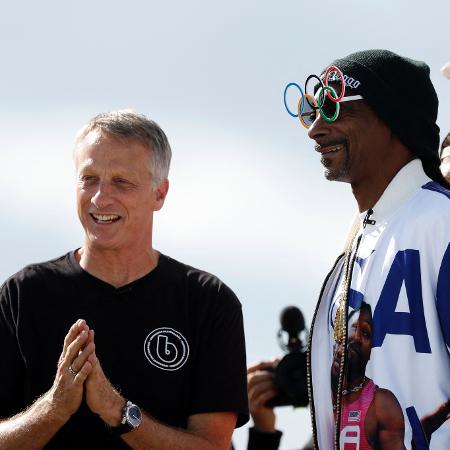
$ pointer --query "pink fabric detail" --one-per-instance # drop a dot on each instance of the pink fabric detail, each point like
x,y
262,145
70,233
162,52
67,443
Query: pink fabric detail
x,y
353,417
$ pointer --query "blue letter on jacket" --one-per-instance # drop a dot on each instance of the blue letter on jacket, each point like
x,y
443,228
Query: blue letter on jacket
x,y
405,268
443,295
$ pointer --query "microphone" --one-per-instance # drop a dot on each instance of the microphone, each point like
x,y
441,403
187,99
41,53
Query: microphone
x,y
290,375
293,323
367,219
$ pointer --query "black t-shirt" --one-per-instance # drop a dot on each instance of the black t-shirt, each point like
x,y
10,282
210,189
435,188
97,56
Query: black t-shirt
x,y
172,342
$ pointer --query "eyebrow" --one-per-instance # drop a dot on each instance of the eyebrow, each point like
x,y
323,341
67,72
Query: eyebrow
x,y
370,324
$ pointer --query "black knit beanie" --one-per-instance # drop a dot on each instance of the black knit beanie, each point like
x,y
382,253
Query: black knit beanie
x,y
400,92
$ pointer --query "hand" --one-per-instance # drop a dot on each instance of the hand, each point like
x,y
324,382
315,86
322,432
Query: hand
x,y
260,390
101,396
74,365
433,421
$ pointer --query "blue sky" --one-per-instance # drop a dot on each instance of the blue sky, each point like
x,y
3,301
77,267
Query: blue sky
x,y
248,200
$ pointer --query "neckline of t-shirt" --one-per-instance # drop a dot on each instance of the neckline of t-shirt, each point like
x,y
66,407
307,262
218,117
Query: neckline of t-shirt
x,y
99,282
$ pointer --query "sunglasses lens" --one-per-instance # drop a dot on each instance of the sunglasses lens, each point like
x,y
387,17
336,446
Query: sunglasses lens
x,y
309,114
328,107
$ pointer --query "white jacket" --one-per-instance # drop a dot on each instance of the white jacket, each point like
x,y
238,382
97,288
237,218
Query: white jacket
x,y
402,269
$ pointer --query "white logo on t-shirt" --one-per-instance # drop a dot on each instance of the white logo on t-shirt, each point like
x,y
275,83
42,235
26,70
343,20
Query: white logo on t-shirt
x,y
166,348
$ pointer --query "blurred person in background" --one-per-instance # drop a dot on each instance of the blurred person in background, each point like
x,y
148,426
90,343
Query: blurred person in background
x,y
445,157
261,388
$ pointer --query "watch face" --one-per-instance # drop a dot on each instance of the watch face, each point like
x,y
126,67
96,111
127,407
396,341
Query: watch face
x,y
134,416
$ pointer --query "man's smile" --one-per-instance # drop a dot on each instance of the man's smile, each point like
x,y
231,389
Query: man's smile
x,y
104,218
326,150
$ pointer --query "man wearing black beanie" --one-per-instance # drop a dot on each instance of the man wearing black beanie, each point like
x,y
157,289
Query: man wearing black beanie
x,y
384,142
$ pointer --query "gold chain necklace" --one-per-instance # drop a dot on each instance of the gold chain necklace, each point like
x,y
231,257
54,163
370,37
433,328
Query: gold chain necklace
x,y
340,326
349,391
354,389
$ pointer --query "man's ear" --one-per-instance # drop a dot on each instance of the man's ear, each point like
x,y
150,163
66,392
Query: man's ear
x,y
160,194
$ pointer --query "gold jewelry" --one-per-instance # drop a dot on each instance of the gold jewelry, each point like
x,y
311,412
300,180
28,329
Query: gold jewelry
x,y
339,322
354,389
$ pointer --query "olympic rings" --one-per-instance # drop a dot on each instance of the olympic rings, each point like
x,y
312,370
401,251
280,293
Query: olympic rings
x,y
325,82
308,111
306,88
320,104
300,101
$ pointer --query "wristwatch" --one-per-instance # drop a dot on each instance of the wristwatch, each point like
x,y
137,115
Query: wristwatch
x,y
131,419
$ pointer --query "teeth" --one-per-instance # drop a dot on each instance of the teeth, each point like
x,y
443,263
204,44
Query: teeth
x,y
333,149
324,149
105,218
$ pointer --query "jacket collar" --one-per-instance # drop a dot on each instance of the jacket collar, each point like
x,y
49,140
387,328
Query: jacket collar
x,y
402,187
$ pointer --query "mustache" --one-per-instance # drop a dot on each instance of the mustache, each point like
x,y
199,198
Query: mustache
x,y
354,347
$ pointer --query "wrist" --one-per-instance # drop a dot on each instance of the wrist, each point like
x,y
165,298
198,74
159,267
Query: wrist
x,y
264,428
131,420
264,424
113,411
48,409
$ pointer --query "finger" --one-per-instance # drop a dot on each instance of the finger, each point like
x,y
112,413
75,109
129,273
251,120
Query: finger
x,y
83,356
91,335
259,377
259,388
89,339
74,331
262,399
260,366
263,365
93,359
81,376
69,338
73,349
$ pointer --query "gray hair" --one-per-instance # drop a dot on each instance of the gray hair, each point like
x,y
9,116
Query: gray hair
x,y
129,125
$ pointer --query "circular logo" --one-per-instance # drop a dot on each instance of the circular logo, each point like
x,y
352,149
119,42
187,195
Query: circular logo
x,y
166,348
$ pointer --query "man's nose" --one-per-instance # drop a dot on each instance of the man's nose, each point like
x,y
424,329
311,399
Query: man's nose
x,y
102,196
356,335
318,129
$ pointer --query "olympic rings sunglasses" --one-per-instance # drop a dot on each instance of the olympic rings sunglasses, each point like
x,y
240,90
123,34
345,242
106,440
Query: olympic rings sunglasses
x,y
326,102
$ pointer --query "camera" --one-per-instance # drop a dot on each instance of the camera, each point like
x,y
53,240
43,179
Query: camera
x,y
290,375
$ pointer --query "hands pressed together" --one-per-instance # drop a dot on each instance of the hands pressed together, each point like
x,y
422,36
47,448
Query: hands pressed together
x,y
79,371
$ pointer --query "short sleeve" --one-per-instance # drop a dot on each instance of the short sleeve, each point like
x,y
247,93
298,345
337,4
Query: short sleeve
x,y
12,373
219,379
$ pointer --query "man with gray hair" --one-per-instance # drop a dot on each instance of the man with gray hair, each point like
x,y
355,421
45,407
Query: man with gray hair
x,y
165,368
